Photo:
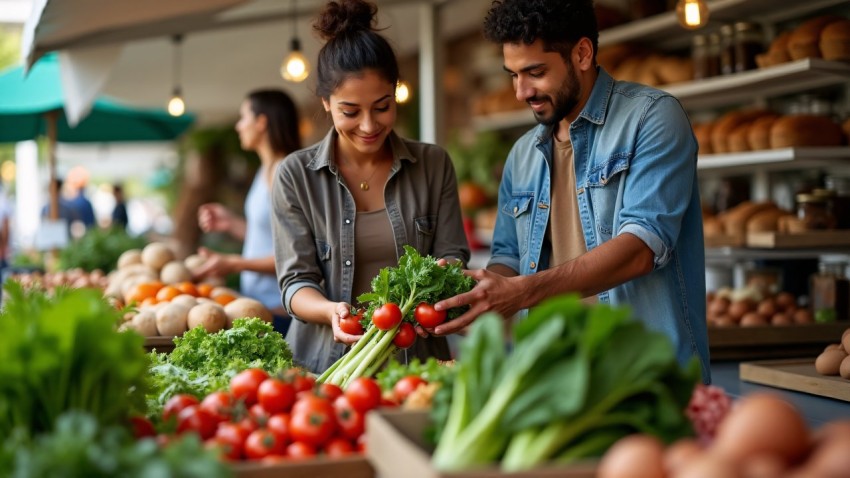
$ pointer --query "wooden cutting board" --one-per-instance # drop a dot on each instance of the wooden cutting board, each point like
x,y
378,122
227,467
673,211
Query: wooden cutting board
x,y
775,240
795,374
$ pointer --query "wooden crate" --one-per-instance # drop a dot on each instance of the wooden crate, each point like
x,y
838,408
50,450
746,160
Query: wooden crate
x,y
320,467
773,341
162,344
795,374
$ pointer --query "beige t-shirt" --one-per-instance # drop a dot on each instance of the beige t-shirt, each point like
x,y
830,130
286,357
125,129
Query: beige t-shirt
x,y
374,249
565,228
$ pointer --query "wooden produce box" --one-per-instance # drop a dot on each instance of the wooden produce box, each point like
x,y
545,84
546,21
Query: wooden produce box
x,y
350,467
776,240
725,240
773,341
396,448
162,344
795,374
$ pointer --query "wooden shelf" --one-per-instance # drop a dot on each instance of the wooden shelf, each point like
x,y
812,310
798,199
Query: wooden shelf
x,y
774,159
664,29
787,78
798,375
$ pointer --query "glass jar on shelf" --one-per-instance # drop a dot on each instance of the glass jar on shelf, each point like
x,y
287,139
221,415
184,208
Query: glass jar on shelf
x,y
814,213
829,291
840,185
727,49
700,56
749,42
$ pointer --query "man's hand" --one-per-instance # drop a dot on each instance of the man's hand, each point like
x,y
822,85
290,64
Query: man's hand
x,y
493,293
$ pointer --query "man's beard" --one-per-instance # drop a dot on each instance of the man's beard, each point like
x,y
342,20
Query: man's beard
x,y
565,101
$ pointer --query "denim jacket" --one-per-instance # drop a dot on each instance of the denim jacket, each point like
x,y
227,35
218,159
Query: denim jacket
x,y
635,167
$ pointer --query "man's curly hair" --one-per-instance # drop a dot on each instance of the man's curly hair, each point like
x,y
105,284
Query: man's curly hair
x,y
560,24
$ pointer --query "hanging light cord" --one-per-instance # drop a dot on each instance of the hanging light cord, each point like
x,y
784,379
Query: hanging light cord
x,y
177,40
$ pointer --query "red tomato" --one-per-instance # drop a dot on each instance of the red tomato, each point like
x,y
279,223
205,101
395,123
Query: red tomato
x,y
177,403
194,418
338,447
142,427
248,424
300,378
231,439
386,402
328,391
279,424
309,402
361,444
312,425
427,316
259,415
404,387
276,396
386,316
244,385
262,443
364,394
219,404
351,325
300,450
405,337
351,422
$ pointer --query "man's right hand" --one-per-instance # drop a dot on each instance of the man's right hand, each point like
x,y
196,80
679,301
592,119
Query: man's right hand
x,y
493,292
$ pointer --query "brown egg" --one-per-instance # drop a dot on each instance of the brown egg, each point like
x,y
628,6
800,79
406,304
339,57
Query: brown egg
x,y
803,316
784,300
634,456
832,431
834,347
680,453
781,318
762,423
724,321
753,319
764,466
845,333
845,342
844,368
767,307
738,309
708,465
829,362
718,306
830,459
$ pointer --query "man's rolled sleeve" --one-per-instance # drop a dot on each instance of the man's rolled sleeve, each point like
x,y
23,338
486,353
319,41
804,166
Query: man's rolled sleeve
x,y
661,252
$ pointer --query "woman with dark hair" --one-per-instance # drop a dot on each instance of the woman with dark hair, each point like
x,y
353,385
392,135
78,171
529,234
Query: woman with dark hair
x,y
268,125
345,207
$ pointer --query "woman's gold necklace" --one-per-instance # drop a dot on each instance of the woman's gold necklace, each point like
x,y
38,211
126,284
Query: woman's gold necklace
x,y
364,185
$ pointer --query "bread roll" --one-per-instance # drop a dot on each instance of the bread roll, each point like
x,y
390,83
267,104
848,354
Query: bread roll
x,y
758,135
712,226
737,141
673,69
735,219
610,57
804,41
805,130
767,220
702,131
724,126
777,53
835,41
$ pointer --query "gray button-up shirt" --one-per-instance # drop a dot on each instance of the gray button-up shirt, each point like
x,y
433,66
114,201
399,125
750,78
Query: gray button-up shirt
x,y
313,225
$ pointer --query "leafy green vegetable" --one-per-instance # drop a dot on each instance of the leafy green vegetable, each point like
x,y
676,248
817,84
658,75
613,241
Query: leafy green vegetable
x,y
416,279
63,352
99,249
80,448
430,371
577,379
202,362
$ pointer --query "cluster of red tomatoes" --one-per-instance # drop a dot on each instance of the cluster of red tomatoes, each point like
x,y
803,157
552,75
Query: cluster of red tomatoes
x,y
269,417
389,315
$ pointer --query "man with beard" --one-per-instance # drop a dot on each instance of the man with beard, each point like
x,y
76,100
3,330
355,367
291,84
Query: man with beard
x,y
600,198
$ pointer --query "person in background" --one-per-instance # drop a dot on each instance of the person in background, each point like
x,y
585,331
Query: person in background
x,y
76,183
268,125
601,198
6,211
345,207
119,212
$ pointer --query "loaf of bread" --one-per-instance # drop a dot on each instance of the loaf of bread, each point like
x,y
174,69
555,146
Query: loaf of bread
x,y
724,126
777,53
835,41
702,131
712,226
610,57
766,220
758,135
805,130
738,141
672,69
804,41
735,219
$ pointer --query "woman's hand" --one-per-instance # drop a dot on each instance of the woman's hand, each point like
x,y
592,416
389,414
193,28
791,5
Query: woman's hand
x,y
213,217
215,264
342,311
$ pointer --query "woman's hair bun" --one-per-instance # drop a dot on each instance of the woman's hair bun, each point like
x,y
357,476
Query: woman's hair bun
x,y
345,16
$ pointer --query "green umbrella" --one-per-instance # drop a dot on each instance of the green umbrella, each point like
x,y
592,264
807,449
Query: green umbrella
x,y
32,104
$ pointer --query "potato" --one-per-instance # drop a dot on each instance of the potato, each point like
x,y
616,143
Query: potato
x,y
175,272
129,257
210,316
829,362
218,290
740,308
144,323
245,307
156,255
194,262
767,307
172,319
185,300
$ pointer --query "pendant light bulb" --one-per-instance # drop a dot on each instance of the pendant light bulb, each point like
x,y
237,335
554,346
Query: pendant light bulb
x,y
176,105
295,67
402,92
692,14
